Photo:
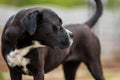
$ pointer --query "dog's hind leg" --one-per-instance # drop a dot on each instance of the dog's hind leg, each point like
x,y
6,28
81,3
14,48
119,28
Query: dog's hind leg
x,y
95,69
70,68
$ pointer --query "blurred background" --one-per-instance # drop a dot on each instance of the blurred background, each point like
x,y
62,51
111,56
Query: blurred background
x,y
75,11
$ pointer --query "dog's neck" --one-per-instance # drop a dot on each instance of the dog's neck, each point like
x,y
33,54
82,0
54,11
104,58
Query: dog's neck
x,y
25,50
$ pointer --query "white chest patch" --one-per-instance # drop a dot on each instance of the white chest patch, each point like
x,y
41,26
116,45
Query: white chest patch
x,y
16,57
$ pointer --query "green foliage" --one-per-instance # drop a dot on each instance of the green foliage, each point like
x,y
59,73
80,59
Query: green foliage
x,y
66,3
113,4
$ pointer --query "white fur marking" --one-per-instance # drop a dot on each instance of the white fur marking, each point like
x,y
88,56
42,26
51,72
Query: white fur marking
x,y
70,40
16,57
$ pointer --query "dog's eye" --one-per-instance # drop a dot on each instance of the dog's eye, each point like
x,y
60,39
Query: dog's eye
x,y
56,28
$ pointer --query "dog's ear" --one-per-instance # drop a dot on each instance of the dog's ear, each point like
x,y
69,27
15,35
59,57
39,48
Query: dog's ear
x,y
29,21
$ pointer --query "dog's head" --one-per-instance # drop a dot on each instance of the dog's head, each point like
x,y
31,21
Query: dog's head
x,y
46,27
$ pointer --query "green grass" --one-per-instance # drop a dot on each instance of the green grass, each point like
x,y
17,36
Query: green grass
x,y
1,77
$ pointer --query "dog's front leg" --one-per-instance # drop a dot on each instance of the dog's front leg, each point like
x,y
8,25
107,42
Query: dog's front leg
x,y
39,76
15,74
40,66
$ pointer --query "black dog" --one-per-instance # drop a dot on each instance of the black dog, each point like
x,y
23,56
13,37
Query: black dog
x,y
38,25
20,31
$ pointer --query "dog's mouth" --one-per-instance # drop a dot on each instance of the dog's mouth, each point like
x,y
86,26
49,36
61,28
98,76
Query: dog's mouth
x,y
56,46
62,45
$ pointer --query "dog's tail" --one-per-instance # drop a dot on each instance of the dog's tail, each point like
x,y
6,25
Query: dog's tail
x,y
99,10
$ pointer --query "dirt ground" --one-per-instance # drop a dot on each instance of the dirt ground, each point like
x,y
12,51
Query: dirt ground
x,y
110,73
